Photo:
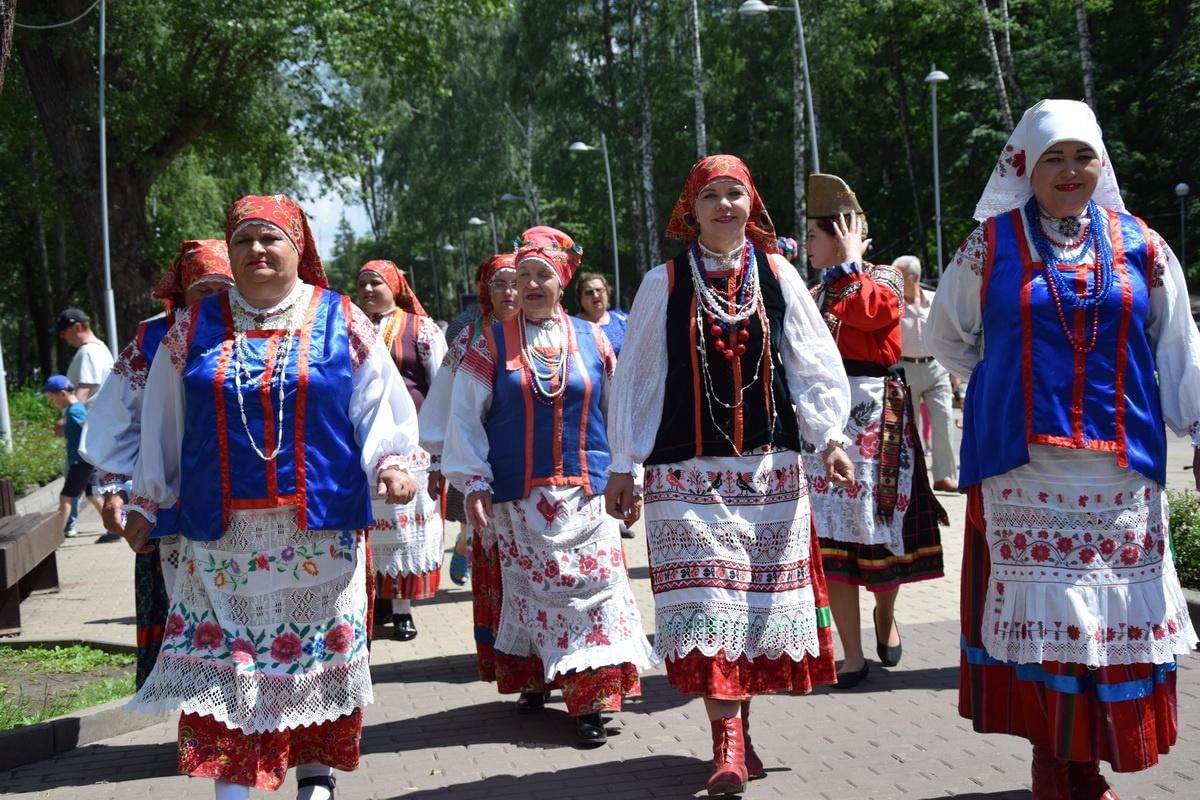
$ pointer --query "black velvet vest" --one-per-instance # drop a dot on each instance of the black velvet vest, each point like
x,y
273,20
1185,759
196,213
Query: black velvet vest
x,y
692,423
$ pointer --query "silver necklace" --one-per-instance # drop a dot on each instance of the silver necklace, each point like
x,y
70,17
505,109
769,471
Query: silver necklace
x,y
242,356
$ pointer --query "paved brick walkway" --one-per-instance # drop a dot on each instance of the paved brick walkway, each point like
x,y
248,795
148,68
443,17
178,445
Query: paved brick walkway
x,y
436,732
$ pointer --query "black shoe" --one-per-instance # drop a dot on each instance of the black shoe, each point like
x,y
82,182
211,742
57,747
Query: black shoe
x,y
848,680
405,630
626,532
532,702
108,537
589,730
888,656
328,781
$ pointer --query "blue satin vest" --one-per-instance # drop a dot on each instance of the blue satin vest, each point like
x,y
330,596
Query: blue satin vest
x,y
149,336
1032,387
318,470
531,443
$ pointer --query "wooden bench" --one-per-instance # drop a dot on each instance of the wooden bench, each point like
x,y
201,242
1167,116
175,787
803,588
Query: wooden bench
x,y
28,543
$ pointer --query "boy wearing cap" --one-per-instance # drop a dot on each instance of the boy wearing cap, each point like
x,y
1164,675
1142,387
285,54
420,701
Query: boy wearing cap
x,y
61,394
92,361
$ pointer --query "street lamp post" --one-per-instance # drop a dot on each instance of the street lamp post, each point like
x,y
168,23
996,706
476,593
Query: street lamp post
x,y
437,285
756,8
935,77
449,247
110,311
580,147
492,218
1181,191
509,197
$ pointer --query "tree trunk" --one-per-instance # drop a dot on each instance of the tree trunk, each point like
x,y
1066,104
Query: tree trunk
x,y
647,144
40,295
697,79
8,15
1085,54
994,57
1010,69
898,73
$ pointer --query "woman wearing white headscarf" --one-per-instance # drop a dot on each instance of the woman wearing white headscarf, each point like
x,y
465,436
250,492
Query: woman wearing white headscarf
x,y
1072,612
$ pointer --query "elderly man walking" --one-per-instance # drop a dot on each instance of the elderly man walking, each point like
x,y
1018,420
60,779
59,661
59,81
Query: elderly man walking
x,y
927,379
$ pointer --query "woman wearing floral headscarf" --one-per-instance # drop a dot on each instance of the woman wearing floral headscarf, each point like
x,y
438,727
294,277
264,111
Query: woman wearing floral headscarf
x,y
721,343
112,434
272,413
495,283
406,541
527,444
1072,612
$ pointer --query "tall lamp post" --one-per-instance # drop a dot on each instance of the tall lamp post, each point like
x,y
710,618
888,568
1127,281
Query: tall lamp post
x,y
509,197
492,219
580,147
437,285
935,77
110,311
1181,191
756,8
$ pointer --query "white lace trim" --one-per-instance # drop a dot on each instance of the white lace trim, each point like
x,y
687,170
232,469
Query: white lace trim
x,y
407,539
740,630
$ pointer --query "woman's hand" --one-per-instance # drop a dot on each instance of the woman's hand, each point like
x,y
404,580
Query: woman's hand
x,y
838,466
436,485
137,533
479,509
110,513
848,230
396,485
620,500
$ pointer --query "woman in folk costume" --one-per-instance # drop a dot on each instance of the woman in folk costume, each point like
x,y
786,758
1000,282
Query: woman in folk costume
x,y
272,413
112,434
882,530
527,444
495,282
406,541
721,343
1072,612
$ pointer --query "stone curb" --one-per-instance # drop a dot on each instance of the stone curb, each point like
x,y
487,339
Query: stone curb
x,y
42,499
25,745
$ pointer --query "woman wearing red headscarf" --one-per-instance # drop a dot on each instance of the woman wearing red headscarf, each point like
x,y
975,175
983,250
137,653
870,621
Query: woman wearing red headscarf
x,y
721,343
112,434
406,541
527,445
495,283
284,411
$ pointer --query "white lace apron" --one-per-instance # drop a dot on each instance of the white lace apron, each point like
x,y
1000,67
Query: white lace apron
x,y
1081,571
848,514
407,539
730,557
266,627
566,592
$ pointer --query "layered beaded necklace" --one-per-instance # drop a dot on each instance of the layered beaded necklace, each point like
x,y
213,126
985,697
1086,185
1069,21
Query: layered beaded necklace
x,y
724,316
548,372
1061,292
244,320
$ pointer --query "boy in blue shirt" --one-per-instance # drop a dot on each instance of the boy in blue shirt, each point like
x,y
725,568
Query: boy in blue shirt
x,y
61,394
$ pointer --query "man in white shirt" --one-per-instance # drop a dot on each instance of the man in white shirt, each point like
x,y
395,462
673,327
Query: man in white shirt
x,y
927,379
92,361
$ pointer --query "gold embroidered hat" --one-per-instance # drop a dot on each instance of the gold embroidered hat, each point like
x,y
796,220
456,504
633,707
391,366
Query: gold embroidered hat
x,y
828,196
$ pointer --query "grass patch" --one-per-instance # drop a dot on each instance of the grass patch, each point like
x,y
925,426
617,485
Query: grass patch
x,y
1184,525
38,456
37,683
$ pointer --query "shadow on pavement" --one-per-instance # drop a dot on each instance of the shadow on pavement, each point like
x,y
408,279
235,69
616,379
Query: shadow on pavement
x,y
483,723
1016,794
634,779
456,669
934,679
98,763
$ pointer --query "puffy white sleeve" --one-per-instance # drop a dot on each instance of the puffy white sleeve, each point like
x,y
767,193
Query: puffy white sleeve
x,y
465,454
381,409
955,331
812,364
434,416
1176,342
112,434
635,406
156,478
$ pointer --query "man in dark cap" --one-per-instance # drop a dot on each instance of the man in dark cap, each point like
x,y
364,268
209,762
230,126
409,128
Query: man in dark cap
x,y
92,361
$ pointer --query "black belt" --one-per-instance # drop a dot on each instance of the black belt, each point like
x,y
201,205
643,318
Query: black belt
x,y
918,359
865,369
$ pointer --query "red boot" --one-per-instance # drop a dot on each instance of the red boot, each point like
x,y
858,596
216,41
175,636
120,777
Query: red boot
x,y
1049,776
729,757
754,765
1086,781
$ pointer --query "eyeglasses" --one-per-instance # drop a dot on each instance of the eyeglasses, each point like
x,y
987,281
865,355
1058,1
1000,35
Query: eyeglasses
x,y
503,286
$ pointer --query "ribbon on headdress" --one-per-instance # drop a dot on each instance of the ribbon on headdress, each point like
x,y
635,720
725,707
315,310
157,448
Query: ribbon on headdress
x,y
487,271
395,280
281,212
683,224
197,259
553,247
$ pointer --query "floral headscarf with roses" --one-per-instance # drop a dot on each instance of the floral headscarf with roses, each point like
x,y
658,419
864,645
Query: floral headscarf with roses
x,y
685,227
402,292
1041,127
197,260
281,212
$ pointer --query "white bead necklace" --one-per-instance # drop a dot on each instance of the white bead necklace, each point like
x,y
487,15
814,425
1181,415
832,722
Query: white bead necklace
x,y
545,369
709,302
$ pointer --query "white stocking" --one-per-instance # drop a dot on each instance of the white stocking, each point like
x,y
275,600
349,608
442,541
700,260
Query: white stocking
x,y
224,790
313,792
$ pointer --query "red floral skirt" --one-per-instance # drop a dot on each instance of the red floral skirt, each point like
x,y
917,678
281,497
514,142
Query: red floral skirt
x,y
1126,715
721,679
585,691
408,587
211,749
